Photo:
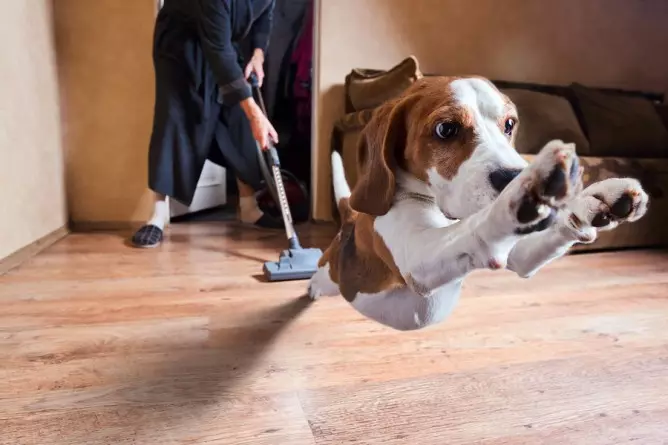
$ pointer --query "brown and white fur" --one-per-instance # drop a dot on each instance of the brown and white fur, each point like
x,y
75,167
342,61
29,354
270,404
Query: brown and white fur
x,y
443,192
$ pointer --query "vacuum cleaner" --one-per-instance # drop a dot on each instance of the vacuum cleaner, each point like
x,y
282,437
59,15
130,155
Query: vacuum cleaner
x,y
295,262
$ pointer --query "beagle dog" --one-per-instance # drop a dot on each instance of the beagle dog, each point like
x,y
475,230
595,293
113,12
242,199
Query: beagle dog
x,y
442,192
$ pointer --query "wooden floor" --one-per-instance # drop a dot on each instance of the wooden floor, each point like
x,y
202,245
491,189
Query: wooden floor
x,y
104,344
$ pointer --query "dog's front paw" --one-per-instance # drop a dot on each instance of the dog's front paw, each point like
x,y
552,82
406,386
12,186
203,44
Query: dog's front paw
x,y
544,187
321,284
606,204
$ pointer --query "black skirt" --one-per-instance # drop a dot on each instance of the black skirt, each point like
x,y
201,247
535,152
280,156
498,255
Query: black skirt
x,y
189,124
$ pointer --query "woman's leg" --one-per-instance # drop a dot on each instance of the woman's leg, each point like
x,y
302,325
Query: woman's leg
x,y
249,212
236,150
184,121
151,233
160,217
245,190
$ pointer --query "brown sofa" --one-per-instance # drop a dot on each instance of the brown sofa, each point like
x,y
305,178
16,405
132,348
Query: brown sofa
x,y
617,133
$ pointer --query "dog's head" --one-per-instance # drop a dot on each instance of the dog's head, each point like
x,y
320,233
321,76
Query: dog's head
x,y
455,135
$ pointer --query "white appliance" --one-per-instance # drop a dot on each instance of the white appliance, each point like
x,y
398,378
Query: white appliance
x,y
211,191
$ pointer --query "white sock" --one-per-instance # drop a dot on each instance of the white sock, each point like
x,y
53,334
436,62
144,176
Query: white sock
x,y
160,214
249,212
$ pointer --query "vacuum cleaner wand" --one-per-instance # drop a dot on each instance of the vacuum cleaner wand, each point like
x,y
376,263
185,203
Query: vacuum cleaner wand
x,y
294,263
282,197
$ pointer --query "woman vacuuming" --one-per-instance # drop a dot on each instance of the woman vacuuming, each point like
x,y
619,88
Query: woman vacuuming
x,y
203,52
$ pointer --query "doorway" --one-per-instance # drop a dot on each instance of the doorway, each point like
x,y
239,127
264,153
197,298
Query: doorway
x,y
287,94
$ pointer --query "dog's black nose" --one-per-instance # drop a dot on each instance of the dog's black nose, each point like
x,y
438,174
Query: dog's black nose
x,y
501,178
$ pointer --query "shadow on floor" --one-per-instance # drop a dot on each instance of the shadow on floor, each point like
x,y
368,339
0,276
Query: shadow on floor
x,y
212,372
220,213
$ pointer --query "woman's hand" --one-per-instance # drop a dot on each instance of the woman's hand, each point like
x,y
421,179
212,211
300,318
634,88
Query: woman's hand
x,y
256,65
263,131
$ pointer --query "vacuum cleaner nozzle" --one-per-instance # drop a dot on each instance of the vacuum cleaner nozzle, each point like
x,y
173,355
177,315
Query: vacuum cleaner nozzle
x,y
293,264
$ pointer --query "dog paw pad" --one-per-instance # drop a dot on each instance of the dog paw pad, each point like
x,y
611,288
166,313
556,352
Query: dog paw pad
x,y
529,210
600,220
623,206
564,175
606,204
551,179
539,226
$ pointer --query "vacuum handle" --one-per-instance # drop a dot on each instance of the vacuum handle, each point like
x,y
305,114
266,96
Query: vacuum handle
x,y
273,156
255,84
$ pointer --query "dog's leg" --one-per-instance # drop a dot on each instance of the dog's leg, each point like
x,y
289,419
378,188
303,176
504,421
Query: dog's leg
x,y
321,284
432,257
601,206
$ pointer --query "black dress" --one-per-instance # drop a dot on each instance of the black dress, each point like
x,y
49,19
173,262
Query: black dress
x,y
198,55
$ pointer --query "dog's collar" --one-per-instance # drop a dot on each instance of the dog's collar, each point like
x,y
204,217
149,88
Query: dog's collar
x,y
403,195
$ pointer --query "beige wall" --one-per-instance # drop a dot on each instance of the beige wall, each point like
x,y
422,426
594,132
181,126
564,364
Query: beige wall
x,y
32,195
107,89
616,43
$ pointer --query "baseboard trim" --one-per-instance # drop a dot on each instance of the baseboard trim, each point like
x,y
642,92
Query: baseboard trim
x,y
22,255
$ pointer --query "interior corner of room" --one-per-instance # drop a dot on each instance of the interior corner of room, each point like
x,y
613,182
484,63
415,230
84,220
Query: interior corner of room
x,y
32,187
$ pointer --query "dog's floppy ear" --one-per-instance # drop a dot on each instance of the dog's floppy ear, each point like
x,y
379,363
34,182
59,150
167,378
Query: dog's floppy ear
x,y
377,158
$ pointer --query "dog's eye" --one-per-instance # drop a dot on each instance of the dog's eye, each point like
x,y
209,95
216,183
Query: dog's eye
x,y
447,130
510,126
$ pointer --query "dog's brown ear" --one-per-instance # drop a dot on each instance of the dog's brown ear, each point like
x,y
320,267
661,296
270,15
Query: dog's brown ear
x,y
377,158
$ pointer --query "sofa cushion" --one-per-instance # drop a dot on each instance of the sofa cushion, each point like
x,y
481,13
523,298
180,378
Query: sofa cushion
x,y
620,125
370,88
544,117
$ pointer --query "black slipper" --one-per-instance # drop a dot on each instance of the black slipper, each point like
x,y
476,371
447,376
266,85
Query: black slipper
x,y
147,236
266,222
269,222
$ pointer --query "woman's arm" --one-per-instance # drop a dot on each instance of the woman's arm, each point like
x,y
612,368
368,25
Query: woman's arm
x,y
214,27
259,36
